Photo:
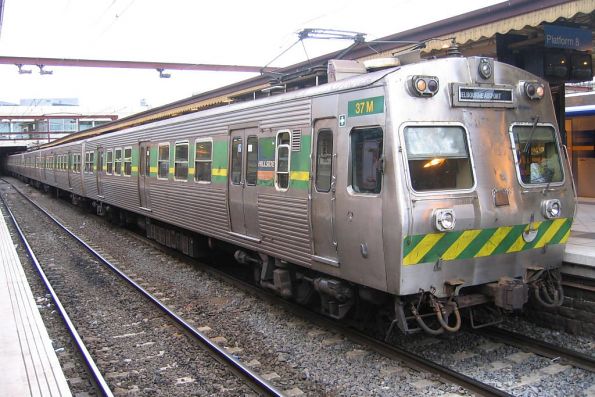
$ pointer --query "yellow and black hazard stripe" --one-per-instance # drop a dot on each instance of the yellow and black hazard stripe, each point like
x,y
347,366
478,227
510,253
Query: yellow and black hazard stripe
x,y
478,243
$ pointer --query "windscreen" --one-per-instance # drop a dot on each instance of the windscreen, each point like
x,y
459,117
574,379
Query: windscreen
x,y
538,157
438,158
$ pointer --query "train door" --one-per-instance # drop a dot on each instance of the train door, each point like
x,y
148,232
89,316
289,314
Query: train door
x,y
53,167
242,182
69,169
144,172
359,203
100,172
324,192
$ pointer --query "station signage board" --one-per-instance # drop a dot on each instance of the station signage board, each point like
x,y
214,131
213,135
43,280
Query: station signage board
x,y
557,36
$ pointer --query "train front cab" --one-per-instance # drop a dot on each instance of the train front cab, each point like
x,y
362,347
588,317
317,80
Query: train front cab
x,y
487,196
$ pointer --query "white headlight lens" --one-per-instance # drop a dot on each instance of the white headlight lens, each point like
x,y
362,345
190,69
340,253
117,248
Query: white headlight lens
x,y
551,208
555,210
444,219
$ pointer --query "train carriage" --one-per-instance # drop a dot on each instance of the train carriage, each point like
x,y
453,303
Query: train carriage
x,y
436,186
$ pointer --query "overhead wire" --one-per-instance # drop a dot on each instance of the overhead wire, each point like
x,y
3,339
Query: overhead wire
x,y
116,18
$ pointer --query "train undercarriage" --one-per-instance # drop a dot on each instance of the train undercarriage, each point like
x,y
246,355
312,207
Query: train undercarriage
x,y
479,306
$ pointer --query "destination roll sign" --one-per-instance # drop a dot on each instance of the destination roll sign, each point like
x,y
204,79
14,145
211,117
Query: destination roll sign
x,y
482,94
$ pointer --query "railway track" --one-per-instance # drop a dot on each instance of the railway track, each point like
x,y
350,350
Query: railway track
x,y
447,374
540,347
99,382
249,377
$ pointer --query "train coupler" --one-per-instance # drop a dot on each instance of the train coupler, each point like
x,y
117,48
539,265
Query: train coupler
x,y
509,294
546,286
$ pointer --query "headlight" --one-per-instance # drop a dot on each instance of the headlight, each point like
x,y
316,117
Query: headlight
x,y
485,68
551,208
444,219
534,90
425,86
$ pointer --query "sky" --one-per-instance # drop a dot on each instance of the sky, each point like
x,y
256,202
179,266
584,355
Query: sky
x,y
189,31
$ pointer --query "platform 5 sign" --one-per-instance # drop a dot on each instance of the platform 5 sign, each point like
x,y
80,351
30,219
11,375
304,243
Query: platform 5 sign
x,y
556,36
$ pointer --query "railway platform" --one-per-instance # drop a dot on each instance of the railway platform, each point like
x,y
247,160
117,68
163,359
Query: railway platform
x,y
579,259
29,365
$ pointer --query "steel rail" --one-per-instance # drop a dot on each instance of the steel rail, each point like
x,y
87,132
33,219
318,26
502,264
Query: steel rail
x,y
95,372
574,358
262,385
395,352
380,347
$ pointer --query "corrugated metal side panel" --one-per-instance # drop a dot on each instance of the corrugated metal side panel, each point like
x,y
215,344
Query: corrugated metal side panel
x,y
284,226
77,183
90,181
62,180
121,191
278,116
196,207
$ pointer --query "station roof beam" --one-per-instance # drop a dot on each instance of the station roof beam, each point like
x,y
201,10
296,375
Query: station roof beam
x,y
159,66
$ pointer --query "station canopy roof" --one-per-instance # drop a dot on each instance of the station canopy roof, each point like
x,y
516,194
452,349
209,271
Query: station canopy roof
x,y
475,33
579,12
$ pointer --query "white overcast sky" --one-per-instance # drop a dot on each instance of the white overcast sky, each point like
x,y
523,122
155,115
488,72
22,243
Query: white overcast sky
x,y
221,32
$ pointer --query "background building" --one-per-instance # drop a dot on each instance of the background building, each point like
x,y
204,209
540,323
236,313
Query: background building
x,y
33,122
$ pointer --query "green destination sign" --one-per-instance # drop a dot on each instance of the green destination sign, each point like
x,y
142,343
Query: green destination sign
x,y
362,107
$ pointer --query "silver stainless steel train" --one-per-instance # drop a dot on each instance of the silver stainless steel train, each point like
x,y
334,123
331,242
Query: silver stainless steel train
x,y
439,189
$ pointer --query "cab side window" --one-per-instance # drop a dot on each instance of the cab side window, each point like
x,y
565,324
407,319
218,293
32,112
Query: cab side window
x,y
366,160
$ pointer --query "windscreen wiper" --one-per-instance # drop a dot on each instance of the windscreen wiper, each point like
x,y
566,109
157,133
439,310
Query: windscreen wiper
x,y
528,144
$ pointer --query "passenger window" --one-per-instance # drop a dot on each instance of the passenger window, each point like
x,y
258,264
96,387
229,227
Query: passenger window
x,y
282,160
324,160
110,162
252,160
366,160
181,161
89,162
127,161
76,158
537,155
203,159
163,161
118,162
438,158
236,160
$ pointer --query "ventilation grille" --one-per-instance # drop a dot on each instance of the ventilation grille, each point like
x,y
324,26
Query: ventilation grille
x,y
296,140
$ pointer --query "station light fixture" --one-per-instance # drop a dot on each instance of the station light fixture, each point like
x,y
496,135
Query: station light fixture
x,y
581,67
162,74
23,71
556,65
42,71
